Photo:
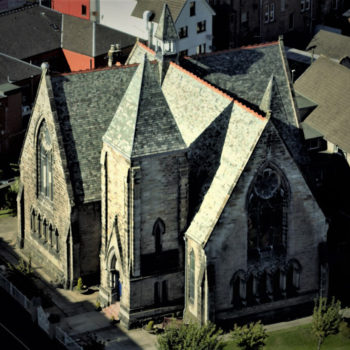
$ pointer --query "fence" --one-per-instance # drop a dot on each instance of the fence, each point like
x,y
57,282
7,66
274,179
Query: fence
x,y
61,335
66,340
16,294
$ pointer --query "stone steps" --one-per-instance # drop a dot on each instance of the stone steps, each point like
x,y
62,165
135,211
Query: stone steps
x,y
112,311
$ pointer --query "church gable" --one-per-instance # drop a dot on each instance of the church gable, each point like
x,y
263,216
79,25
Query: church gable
x,y
267,233
243,132
46,187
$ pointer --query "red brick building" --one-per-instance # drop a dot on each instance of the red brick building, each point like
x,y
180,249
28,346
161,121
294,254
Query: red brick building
x,y
77,8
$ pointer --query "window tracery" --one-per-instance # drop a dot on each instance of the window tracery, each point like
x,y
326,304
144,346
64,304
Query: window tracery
x,y
267,206
44,156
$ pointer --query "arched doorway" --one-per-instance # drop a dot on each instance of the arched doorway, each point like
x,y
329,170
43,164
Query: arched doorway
x,y
114,280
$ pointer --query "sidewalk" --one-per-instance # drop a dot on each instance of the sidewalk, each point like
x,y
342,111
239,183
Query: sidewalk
x,y
77,313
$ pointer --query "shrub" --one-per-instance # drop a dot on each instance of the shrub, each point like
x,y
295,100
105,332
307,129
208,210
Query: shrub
x,y
250,337
149,326
80,285
326,319
190,337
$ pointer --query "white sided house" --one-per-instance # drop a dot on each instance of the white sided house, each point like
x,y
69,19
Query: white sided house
x,y
192,19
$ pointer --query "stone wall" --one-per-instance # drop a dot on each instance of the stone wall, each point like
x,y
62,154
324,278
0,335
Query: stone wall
x,y
139,193
56,211
306,228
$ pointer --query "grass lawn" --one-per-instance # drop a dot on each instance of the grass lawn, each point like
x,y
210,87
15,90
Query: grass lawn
x,y
6,212
301,338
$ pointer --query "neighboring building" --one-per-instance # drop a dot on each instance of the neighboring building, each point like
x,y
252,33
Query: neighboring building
x,y
37,37
18,85
77,8
65,42
331,45
201,202
192,19
85,44
241,23
6,5
326,123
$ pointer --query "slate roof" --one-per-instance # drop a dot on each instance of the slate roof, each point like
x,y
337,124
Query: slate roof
x,y
78,37
38,30
328,84
86,103
166,30
330,44
143,123
245,73
243,133
15,69
30,31
156,6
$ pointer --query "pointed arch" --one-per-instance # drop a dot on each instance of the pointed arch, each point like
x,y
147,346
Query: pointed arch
x,y
158,232
238,284
44,162
267,212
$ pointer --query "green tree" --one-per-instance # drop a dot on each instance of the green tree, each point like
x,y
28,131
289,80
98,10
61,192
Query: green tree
x,y
191,337
326,319
250,337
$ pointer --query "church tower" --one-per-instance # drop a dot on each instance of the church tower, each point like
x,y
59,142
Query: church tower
x,y
144,204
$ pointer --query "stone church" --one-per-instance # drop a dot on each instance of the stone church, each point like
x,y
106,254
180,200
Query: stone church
x,y
174,184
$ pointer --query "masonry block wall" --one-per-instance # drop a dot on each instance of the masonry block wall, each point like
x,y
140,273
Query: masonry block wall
x,y
306,229
57,211
139,196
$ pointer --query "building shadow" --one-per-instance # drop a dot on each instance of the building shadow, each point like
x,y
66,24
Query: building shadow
x,y
81,321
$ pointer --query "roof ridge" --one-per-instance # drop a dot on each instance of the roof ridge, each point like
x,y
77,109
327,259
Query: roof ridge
x,y
22,8
96,69
246,47
218,91
19,60
146,48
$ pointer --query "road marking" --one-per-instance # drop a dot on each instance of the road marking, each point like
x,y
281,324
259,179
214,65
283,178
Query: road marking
x,y
19,340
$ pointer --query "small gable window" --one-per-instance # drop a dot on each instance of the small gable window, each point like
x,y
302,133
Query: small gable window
x,y
44,156
192,8
83,10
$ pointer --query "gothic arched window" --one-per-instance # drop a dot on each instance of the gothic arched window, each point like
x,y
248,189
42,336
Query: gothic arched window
x,y
267,212
57,240
44,157
158,231
192,277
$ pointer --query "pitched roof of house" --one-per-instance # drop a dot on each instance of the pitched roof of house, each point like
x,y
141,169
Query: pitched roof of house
x,y
30,31
91,39
85,104
166,30
328,84
330,44
156,6
13,69
143,123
